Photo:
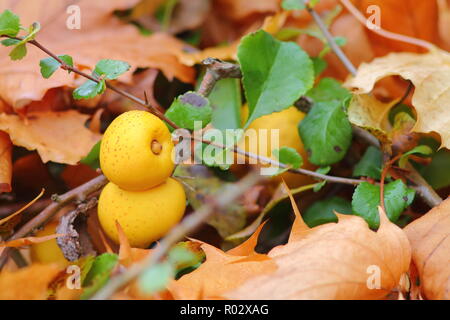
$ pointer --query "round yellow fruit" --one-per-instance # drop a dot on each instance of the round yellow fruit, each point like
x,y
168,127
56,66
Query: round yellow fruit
x,y
145,216
286,122
48,251
136,151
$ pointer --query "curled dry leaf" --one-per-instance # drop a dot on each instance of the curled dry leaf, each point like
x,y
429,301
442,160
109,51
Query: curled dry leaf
x,y
57,136
31,283
75,242
5,162
96,39
240,9
333,261
430,242
430,74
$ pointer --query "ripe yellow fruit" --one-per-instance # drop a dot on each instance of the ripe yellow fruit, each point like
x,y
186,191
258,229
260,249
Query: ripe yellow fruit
x,y
145,216
136,151
287,122
48,251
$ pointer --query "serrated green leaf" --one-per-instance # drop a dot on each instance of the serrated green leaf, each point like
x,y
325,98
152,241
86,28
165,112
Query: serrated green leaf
x,y
322,211
288,156
156,278
111,69
50,65
93,158
189,108
226,101
370,164
293,5
366,199
98,274
326,133
19,52
275,73
9,23
89,89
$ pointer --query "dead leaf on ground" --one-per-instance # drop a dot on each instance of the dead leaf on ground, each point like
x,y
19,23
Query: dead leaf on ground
x,y
5,162
430,74
222,271
30,283
57,136
430,242
21,82
417,19
333,261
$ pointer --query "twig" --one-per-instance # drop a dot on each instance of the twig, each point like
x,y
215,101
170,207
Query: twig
x,y
267,160
333,45
217,70
79,193
229,194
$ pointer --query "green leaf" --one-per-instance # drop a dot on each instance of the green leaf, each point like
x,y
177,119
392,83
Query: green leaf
x,y
50,65
322,212
9,23
437,173
111,69
370,164
189,108
328,89
422,150
89,89
99,274
19,52
226,101
293,5
93,158
10,42
326,133
156,278
366,199
275,73
213,156
288,156
319,65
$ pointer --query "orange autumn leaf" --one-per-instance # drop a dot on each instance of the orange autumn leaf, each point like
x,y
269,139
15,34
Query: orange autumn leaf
x,y
430,243
5,162
240,9
272,24
414,18
101,36
30,283
334,261
57,136
222,271
29,241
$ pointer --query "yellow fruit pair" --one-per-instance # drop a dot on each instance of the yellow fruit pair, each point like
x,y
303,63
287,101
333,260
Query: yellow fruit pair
x,y
136,156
